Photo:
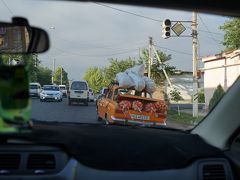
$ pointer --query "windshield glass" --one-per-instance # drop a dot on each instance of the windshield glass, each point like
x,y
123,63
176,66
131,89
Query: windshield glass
x,y
79,86
33,86
178,64
50,88
62,88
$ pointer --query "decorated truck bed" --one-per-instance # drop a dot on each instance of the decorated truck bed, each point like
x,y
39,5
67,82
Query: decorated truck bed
x,y
128,106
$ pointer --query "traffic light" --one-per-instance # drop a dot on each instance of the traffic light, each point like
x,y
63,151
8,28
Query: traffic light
x,y
166,28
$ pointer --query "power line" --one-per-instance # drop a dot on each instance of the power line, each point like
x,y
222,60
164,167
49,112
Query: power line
x,y
124,11
100,55
149,18
5,4
180,52
107,47
209,31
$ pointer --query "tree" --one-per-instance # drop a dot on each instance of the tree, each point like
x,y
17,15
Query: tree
x,y
232,34
217,95
157,73
94,77
175,95
57,76
30,61
102,77
115,67
44,75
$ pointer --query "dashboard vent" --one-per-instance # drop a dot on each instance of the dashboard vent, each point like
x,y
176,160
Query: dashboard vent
x,y
213,172
9,161
41,161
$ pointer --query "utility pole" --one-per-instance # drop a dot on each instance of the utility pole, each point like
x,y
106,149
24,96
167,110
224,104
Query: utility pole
x,y
195,64
150,57
61,75
54,63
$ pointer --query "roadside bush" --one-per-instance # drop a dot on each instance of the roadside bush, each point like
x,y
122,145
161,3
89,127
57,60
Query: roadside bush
x,y
217,95
201,96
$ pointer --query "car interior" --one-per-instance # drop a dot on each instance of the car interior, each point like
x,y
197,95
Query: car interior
x,y
53,150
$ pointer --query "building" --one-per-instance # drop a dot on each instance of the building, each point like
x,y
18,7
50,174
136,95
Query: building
x,y
223,69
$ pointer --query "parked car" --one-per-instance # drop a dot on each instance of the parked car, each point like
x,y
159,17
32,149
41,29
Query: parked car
x,y
78,92
51,93
35,89
63,89
91,95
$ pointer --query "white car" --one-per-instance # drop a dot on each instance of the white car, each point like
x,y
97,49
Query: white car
x,y
34,89
91,95
51,93
63,89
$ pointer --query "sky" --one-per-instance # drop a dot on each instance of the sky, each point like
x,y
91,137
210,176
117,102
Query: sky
x,y
84,35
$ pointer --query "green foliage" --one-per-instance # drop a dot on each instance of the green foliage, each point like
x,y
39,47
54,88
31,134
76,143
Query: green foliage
x,y
201,96
157,73
102,77
175,95
57,76
232,33
36,72
217,95
31,62
44,75
94,77
115,67
184,117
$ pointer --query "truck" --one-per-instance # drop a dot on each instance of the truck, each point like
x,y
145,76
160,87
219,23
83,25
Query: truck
x,y
130,107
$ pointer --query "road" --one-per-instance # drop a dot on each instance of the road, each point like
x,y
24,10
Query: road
x,y
62,112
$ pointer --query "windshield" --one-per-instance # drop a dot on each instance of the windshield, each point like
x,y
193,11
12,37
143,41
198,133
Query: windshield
x,y
50,88
62,88
33,86
178,64
79,86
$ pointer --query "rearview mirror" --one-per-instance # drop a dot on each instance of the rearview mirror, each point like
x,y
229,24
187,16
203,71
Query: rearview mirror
x,y
20,38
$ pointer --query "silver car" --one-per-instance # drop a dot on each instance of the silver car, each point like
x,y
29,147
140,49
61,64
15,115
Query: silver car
x,y
51,93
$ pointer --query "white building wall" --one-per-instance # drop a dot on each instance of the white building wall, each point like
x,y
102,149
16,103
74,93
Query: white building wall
x,y
225,76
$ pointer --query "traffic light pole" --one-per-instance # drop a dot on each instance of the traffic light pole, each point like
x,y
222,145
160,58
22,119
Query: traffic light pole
x,y
195,64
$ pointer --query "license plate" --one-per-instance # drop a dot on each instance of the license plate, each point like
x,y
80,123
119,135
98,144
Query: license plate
x,y
140,117
78,92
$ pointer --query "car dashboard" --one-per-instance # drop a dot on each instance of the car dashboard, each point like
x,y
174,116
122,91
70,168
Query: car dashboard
x,y
22,158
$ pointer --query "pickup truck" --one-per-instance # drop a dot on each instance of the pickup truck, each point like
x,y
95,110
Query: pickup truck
x,y
130,107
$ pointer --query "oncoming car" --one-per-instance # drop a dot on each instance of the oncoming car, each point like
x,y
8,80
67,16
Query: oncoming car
x,y
51,93
35,89
91,95
63,89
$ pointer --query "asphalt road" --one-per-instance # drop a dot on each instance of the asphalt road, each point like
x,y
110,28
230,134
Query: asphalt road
x,y
62,112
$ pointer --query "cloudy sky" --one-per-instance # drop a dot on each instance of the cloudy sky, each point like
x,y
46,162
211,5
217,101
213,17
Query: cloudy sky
x,y
88,34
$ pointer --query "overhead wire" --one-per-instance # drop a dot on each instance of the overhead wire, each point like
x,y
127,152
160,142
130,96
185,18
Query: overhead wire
x,y
209,31
5,4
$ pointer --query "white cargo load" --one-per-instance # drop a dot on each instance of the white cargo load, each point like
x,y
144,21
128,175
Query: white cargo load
x,y
134,77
